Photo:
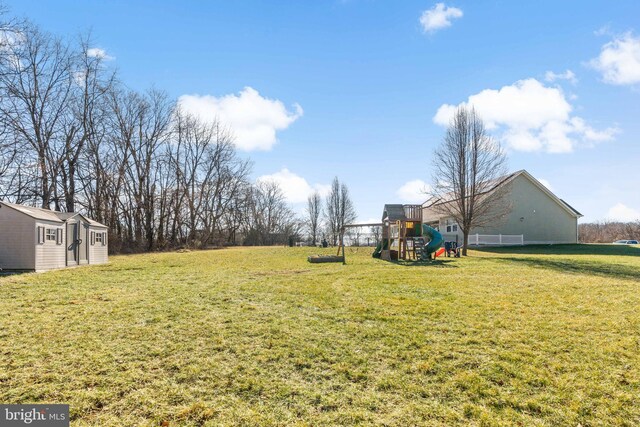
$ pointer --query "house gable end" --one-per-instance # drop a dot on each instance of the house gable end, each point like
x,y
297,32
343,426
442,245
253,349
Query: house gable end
x,y
550,194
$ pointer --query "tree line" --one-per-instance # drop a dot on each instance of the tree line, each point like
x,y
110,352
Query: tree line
x,y
608,231
74,138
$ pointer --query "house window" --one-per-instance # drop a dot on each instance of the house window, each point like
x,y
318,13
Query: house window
x,y
452,227
50,234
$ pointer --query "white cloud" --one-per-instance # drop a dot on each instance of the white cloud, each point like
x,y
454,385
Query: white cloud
x,y
96,52
619,60
530,117
439,17
295,188
603,31
568,75
414,191
590,134
254,119
622,212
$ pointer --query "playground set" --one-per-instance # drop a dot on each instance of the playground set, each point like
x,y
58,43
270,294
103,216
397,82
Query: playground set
x,y
404,237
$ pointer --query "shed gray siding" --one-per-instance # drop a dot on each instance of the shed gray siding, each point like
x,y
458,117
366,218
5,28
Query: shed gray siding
x,y
98,252
17,237
49,254
24,247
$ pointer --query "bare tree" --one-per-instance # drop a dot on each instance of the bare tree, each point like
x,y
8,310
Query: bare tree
x,y
88,94
355,234
35,83
376,233
468,168
339,209
271,221
72,137
314,209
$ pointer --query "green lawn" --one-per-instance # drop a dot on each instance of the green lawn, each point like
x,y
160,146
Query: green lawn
x,y
257,336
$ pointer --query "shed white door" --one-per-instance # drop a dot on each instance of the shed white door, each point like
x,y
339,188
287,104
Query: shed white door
x,y
72,243
83,243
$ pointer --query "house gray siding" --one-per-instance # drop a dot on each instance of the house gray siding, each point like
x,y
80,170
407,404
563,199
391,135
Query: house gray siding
x,y
535,214
17,237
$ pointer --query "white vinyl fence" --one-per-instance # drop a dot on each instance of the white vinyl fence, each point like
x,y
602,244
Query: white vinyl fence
x,y
496,239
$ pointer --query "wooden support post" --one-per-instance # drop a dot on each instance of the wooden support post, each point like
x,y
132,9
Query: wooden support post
x,y
344,258
399,225
403,230
341,246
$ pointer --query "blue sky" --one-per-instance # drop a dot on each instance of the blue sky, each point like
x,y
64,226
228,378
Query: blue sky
x,y
361,88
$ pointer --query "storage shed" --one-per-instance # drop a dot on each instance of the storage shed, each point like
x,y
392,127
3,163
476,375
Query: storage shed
x,y
39,239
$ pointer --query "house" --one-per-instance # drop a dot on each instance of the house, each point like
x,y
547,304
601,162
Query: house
x,y
39,239
536,216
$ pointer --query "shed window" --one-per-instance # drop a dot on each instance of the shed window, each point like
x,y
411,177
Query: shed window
x,y
99,238
50,234
40,235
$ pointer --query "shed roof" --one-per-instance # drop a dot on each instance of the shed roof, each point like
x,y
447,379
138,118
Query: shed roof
x,y
95,223
49,215
36,213
66,215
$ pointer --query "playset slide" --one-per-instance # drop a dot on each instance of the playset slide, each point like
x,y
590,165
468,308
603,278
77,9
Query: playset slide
x,y
435,241
378,251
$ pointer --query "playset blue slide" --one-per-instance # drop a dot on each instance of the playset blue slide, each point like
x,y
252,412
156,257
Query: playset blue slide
x,y
435,241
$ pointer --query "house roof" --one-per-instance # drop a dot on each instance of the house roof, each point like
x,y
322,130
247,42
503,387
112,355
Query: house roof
x,y
508,178
49,215
393,213
493,185
572,208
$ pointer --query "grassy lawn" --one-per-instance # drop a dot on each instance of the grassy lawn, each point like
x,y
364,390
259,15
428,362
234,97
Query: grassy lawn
x,y
532,336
